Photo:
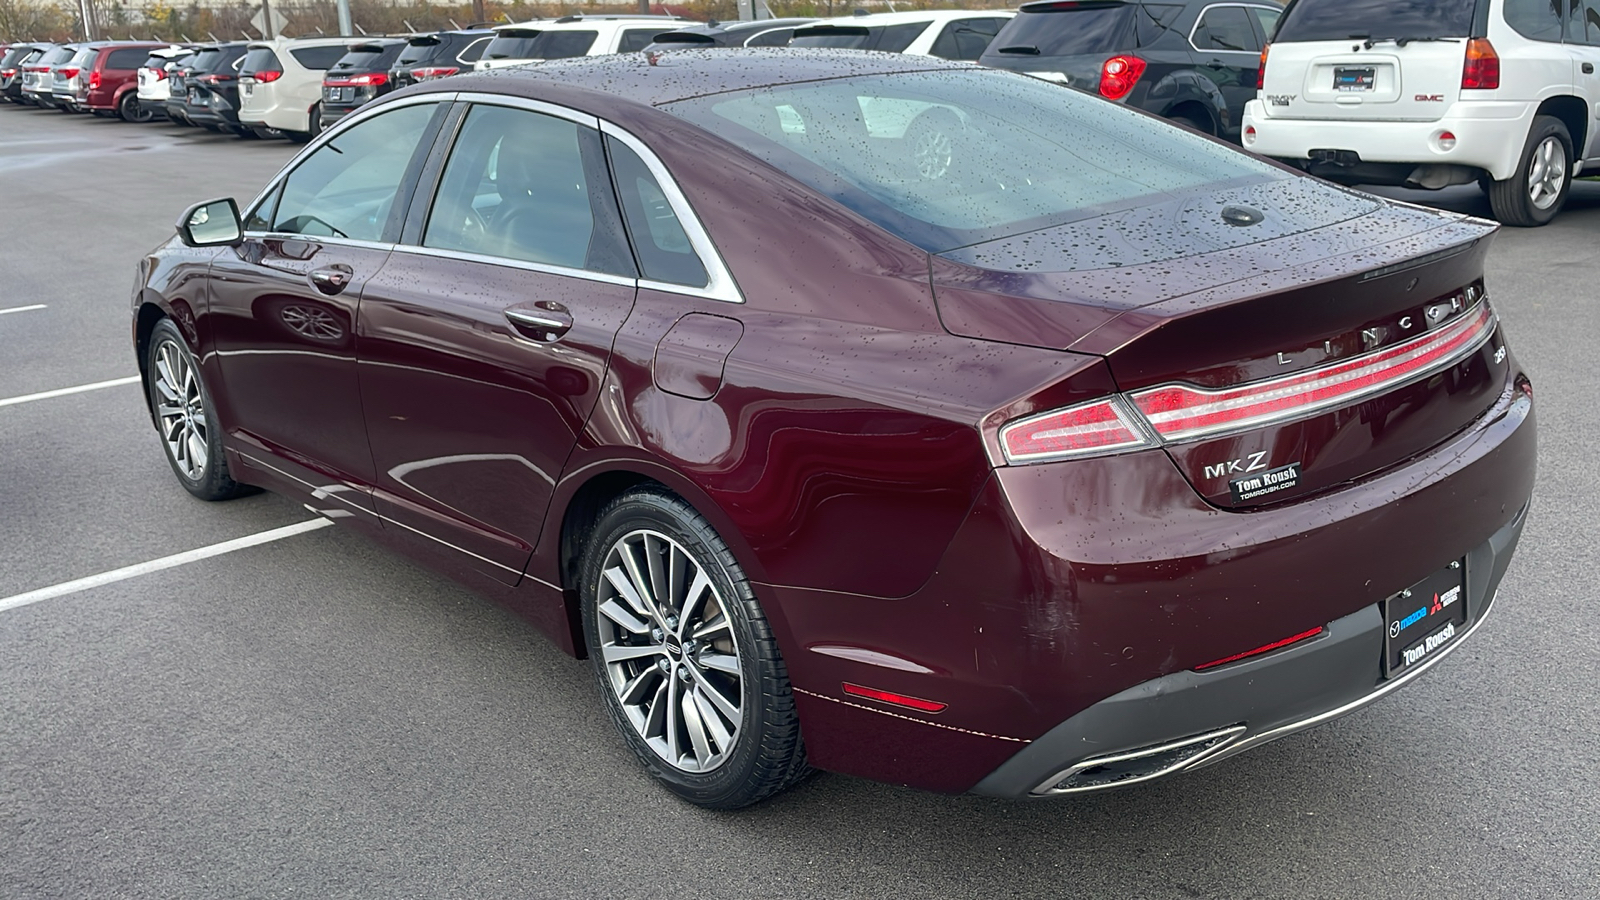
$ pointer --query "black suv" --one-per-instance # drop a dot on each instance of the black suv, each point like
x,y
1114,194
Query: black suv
x,y
760,33
360,76
1197,63
207,92
439,55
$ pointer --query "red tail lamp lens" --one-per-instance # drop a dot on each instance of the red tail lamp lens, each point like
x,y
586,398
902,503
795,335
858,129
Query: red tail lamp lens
x,y
1482,71
94,80
70,73
267,76
1264,648
1261,70
375,78
1118,75
916,703
426,72
1098,427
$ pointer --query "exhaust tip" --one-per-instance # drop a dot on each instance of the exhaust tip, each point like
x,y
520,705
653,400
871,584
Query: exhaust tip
x,y
1142,764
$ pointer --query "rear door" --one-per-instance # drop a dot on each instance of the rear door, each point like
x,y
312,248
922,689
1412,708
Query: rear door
x,y
1368,60
1583,42
485,339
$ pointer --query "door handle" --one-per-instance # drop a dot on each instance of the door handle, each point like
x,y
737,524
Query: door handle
x,y
332,279
545,321
1588,68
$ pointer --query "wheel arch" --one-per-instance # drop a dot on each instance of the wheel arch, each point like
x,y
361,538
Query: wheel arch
x,y
1194,109
1573,113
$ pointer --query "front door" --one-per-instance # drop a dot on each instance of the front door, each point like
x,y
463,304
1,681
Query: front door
x,y
282,313
485,339
1228,50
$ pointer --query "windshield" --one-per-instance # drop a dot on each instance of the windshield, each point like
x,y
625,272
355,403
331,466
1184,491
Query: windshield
x,y
956,157
529,44
1339,20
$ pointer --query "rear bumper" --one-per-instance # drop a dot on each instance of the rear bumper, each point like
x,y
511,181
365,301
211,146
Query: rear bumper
x,y
282,115
1188,720
1489,136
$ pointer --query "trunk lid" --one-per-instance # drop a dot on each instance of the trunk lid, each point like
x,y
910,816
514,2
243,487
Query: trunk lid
x,y
1297,301
1367,60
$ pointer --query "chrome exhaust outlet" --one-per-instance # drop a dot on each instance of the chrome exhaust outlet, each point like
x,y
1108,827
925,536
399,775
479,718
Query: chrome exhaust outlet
x,y
1133,766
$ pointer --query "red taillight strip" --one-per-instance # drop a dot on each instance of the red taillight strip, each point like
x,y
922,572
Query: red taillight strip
x,y
1264,648
1178,411
917,703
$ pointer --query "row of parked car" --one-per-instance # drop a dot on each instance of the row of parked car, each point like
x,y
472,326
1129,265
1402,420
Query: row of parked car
x,y
1422,95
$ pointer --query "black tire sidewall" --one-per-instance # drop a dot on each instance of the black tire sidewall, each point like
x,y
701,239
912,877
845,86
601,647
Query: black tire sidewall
x,y
1510,198
737,782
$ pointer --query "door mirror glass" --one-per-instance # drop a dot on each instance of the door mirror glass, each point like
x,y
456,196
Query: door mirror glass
x,y
210,224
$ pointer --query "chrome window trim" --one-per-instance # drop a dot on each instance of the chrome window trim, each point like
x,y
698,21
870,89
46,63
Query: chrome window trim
x,y
538,106
721,285
543,268
317,239
348,122
1201,17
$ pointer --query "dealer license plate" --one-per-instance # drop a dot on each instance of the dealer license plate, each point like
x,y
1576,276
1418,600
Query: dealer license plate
x,y
1354,78
1422,620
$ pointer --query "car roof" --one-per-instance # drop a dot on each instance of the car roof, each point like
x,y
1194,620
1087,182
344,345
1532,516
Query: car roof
x,y
638,79
906,18
578,23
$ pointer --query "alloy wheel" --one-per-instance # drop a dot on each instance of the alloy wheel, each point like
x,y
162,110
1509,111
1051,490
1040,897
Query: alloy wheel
x,y
180,411
1547,172
932,152
669,651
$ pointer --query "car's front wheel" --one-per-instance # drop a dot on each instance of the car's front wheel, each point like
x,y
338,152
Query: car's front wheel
x,y
184,417
1539,188
687,663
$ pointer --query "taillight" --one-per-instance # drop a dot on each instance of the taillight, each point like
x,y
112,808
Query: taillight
x,y
1104,426
94,81
426,72
1179,411
161,74
1482,71
375,78
70,74
1118,75
267,76
1265,648
214,79
7,73
917,703
1261,70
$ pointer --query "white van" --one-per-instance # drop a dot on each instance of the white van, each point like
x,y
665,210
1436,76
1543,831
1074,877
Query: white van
x,y
280,85
568,36
1430,93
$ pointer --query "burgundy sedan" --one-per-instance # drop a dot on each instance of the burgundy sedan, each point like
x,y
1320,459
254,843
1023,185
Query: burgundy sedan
x,y
881,415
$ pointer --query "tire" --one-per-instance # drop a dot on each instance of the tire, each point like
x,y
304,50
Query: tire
x,y
132,110
1534,195
185,418
1190,122
265,133
649,666
314,127
243,132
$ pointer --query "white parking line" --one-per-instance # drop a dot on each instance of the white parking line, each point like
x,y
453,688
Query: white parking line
x,y
165,562
22,308
62,392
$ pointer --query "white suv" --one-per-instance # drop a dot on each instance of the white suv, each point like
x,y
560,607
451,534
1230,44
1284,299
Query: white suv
x,y
946,33
568,36
280,85
1430,93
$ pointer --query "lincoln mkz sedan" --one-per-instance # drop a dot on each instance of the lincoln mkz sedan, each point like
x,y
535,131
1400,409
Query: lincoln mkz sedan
x,y
880,415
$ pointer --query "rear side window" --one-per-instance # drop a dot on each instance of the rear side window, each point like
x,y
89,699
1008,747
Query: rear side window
x,y
1069,30
1583,21
883,38
1226,28
474,51
636,39
530,44
966,38
1339,20
318,58
126,58
1268,19
1538,20
659,241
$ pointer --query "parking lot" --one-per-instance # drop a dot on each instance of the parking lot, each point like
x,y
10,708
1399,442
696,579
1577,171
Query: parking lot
x,y
313,716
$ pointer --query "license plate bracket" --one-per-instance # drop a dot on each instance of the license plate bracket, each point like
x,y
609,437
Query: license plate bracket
x,y
1422,619
1354,78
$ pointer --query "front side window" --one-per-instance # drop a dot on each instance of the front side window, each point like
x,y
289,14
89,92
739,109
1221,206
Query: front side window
x,y
526,186
347,187
1226,28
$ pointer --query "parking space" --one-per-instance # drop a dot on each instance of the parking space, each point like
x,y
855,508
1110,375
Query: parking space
x,y
315,716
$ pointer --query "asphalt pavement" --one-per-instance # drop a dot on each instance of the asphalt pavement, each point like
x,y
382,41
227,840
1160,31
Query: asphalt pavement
x,y
316,717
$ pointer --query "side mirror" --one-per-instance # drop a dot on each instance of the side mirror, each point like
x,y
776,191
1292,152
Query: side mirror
x,y
211,224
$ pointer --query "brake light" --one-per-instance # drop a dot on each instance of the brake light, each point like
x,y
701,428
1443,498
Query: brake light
x,y
70,74
1178,411
375,78
7,73
1261,70
426,72
917,703
1482,71
267,76
94,81
1265,648
1118,75
1103,426
214,79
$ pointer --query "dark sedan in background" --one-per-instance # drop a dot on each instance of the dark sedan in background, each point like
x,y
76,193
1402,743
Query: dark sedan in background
x,y
1194,62
1036,460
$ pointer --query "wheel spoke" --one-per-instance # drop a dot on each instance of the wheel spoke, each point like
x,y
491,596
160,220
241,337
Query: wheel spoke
x,y
613,610
627,587
720,662
636,691
713,722
718,625
696,727
615,653
671,703
655,719
658,575
641,586
723,704
197,454
692,599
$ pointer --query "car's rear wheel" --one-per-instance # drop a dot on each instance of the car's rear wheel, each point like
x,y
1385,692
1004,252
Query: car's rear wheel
x,y
184,417
1190,122
131,110
686,660
267,134
1539,188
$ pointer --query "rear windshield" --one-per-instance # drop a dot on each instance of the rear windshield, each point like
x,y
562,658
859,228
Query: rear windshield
x,y
317,57
216,59
261,59
883,38
530,44
420,49
14,54
155,62
1072,29
58,55
367,58
1339,20
949,158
